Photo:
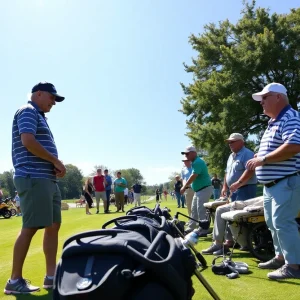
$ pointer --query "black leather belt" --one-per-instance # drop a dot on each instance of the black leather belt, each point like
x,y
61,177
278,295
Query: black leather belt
x,y
203,188
272,183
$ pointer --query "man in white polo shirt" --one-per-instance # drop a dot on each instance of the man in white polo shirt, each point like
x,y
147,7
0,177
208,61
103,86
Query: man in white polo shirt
x,y
277,166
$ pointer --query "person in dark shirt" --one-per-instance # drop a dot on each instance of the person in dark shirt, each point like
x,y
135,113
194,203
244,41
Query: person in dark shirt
x,y
88,190
157,192
137,189
216,183
177,187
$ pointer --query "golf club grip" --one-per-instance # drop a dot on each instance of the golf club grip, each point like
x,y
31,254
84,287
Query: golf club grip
x,y
201,259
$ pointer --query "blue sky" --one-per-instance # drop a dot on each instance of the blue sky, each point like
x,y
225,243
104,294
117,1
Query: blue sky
x,y
119,65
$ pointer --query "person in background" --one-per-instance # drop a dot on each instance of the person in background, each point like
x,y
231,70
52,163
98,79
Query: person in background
x,y
217,184
165,195
99,183
126,191
120,184
107,188
88,190
17,201
137,189
157,192
177,187
186,172
201,185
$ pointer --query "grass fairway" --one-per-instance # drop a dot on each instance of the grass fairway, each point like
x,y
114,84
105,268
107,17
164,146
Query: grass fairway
x,y
253,286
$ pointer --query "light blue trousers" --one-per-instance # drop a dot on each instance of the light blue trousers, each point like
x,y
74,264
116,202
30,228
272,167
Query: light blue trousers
x,y
281,207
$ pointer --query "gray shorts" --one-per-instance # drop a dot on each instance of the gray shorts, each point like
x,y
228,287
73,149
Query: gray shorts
x,y
40,201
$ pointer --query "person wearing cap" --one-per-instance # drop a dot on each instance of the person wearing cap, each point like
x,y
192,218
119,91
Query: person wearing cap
x,y
201,185
186,173
37,167
277,166
241,183
238,180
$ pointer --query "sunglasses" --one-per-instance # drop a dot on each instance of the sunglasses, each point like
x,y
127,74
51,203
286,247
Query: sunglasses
x,y
232,142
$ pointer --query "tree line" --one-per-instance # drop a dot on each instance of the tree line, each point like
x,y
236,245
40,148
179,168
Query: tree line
x,y
234,61
72,184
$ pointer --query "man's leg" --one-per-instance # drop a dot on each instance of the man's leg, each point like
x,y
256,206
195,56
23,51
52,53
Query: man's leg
x,y
103,197
50,247
203,197
108,198
97,195
189,198
20,251
122,200
220,224
178,196
117,199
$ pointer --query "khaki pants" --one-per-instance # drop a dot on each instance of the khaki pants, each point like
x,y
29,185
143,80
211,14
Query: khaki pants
x,y
101,195
188,200
119,196
137,199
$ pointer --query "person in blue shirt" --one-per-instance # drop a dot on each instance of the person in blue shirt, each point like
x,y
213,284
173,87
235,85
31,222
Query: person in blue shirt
x,y
107,188
186,172
277,165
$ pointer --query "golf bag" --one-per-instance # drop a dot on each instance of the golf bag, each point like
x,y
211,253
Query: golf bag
x,y
136,259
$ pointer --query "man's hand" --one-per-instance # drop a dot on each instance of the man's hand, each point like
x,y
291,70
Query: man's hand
x,y
59,169
182,190
254,162
234,186
224,192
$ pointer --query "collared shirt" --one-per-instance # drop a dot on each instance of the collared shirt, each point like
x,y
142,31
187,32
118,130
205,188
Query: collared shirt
x,y
236,166
137,188
118,188
98,182
202,180
284,130
186,173
108,182
30,119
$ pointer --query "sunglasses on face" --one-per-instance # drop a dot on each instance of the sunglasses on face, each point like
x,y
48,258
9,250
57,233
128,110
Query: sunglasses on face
x,y
232,142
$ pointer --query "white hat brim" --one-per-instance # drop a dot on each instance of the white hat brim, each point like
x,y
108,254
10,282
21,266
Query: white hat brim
x,y
258,96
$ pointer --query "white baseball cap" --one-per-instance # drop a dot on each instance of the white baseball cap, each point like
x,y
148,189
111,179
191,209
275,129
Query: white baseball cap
x,y
189,149
235,137
271,87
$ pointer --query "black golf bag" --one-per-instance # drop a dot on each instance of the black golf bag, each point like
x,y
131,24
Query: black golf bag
x,y
135,260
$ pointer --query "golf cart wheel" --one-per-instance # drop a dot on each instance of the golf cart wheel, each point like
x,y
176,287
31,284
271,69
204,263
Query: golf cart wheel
x,y
6,214
13,212
260,242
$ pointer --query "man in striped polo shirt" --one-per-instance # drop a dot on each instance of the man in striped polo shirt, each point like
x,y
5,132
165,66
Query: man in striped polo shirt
x,y
37,167
277,165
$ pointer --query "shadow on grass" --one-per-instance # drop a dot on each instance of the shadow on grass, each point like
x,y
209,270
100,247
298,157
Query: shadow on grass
x,y
47,296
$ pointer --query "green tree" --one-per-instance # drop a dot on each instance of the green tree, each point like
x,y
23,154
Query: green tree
x,y
234,61
7,182
71,185
132,176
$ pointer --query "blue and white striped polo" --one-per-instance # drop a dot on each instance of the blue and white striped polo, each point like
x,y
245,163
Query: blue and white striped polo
x,y
30,119
284,130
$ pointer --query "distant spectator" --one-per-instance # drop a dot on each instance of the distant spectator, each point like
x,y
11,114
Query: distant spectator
x,y
17,201
99,183
130,196
137,189
217,184
88,190
120,184
126,196
186,172
177,187
107,188
165,195
157,192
